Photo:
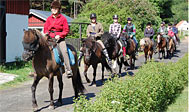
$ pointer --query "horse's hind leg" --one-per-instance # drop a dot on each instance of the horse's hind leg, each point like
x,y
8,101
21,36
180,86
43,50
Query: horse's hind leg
x,y
85,73
94,75
59,78
51,90
33,89
102,73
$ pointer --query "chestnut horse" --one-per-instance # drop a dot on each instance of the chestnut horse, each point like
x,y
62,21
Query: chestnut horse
x,y
146,45
161,45
43,61
93,56
172,46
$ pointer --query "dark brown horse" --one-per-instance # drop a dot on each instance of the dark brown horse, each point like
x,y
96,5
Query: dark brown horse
x,y
36,48
113,48
93,56
130,49
146,45
161,45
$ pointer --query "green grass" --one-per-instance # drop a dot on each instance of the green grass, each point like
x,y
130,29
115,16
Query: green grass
x,y
20,68
181,103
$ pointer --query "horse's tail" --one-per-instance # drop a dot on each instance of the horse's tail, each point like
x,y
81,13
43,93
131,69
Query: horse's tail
x,y
77,83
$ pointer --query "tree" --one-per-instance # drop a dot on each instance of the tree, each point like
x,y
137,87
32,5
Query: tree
x,y
142,12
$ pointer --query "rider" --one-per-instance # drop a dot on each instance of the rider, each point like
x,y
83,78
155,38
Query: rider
x,y
95,30
130,29
175,30
163,30
149,33
170,32
56,26
115,30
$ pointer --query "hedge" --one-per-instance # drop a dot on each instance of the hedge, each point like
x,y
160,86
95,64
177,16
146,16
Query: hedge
x,y
153,88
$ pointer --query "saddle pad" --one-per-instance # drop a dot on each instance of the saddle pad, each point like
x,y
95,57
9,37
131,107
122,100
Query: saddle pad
x,y
58,60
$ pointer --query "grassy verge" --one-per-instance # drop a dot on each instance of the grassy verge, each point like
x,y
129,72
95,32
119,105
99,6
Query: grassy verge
x,y
154,87
181,103
20,68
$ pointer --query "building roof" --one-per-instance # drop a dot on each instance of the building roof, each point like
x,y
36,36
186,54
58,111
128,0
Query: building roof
x,y
180,23
45,14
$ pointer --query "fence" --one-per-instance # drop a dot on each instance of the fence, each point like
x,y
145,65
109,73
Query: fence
x,y
75,42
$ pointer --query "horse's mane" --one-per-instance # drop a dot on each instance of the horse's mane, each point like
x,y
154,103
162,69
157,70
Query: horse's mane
x,y
42,39
107,38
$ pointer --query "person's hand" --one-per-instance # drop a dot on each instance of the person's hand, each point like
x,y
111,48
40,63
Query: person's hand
x,y
131,36
57,37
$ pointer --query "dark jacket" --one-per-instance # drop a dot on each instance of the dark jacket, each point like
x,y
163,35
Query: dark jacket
x,y
149,33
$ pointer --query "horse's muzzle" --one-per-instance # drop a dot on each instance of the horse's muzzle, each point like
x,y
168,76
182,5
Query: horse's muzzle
x,y
27,55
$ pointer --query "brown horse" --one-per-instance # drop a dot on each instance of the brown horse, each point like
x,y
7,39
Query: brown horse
x,y
113,48
130,49
146,45
93,56
36,48
171,47
161,45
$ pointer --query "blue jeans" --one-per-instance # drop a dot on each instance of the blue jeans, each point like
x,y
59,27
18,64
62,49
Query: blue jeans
x,y
135,40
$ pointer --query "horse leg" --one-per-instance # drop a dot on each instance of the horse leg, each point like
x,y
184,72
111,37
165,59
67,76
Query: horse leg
x,y
158,53
94,75
85,73
131,64
51,90
59,77
102,73
146,57
33,89
120,64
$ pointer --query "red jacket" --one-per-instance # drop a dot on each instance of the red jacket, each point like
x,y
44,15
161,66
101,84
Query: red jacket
x,y
58,24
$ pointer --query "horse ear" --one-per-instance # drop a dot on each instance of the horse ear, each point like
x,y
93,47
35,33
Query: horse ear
x,y
24,30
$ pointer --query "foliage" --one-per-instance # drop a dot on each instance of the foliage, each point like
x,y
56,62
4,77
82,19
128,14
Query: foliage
x,y
182,13
154,87
141,12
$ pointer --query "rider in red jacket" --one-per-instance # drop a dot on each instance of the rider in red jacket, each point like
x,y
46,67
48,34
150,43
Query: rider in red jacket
x,y
56,26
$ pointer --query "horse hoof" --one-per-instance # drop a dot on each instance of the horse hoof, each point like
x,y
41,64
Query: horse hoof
x,y
88,81
35,109
92,84
51,107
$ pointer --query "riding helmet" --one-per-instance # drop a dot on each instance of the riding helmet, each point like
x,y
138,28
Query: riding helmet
x,y
56,4
162,22
115,16
149,23
93,15
129,19
169,24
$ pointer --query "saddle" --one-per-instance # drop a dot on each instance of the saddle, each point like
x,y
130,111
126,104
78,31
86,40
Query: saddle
x,y
52,42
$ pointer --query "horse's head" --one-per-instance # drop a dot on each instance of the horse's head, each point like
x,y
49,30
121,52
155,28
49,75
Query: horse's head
x,y
159,36
142,44
30,43
89,46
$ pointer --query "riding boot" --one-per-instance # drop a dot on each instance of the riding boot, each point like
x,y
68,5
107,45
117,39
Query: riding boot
x,y
105,52
80,57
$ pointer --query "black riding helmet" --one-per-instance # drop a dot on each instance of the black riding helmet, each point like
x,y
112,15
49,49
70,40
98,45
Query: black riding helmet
x,y
169,24
149,24
93,15
115,16
129,19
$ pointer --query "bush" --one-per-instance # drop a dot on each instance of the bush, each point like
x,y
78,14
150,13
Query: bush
x,y
154,87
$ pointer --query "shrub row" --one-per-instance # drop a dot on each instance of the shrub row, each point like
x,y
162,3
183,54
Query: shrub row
x,y
154,86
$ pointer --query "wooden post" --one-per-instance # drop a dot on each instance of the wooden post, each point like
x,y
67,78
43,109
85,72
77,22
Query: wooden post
x,y
80,35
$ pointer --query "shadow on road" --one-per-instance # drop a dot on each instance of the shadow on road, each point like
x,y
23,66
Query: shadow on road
x,y
65,101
